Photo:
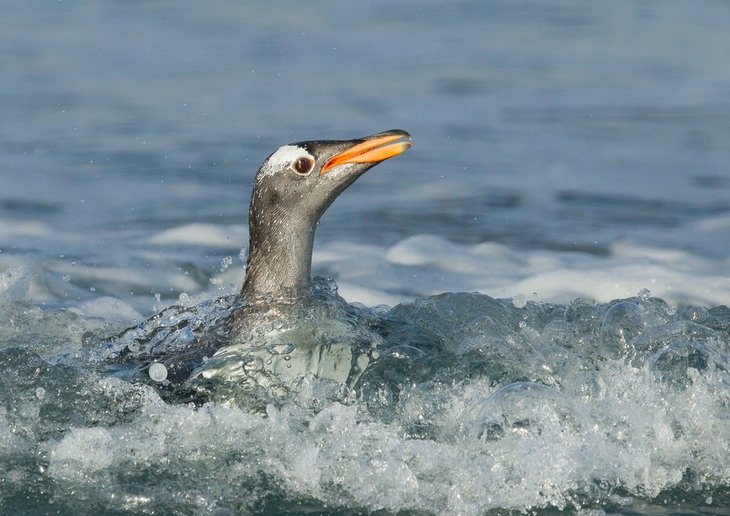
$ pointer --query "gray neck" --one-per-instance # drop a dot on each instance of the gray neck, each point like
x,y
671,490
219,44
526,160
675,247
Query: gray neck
x,y
279,261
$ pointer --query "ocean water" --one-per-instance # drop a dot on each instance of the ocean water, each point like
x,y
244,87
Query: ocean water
x,y
569,182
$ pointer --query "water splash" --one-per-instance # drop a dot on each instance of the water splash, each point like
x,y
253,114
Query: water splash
x,y
457,403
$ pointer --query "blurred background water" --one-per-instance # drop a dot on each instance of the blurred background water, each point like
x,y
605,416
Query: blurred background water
x,y
562,149
550,127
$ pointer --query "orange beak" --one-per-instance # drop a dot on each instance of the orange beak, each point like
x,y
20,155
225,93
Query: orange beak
x,y
374,149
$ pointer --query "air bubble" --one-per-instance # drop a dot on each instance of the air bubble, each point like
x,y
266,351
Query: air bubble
x,y
282,348
622,323
405,352
525,408
677,364
251,365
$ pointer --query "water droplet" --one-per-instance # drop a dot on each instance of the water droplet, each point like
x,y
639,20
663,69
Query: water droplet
x,y
519,301
226,263
158,372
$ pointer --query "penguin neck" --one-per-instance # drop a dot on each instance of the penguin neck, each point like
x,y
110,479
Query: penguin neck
x,y
279,260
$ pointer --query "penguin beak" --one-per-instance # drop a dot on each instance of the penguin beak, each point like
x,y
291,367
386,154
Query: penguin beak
x,y
372,149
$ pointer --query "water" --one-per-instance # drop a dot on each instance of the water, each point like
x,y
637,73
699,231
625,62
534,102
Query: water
x,y
565,156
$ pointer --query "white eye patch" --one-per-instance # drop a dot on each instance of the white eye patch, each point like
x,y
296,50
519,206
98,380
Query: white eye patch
x,y
282,158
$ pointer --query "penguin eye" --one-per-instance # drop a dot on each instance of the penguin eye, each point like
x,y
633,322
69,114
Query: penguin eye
x,y
303,166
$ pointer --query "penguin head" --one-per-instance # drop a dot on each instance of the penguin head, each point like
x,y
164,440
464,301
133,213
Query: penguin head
x,y
298,182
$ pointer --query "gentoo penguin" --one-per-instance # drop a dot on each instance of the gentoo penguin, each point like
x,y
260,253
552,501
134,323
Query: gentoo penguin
x,y
291,191
276,333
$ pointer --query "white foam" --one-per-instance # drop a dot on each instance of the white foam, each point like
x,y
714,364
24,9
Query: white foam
x,y
107,308
201,234
630,435
15,228
427,265
83,451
